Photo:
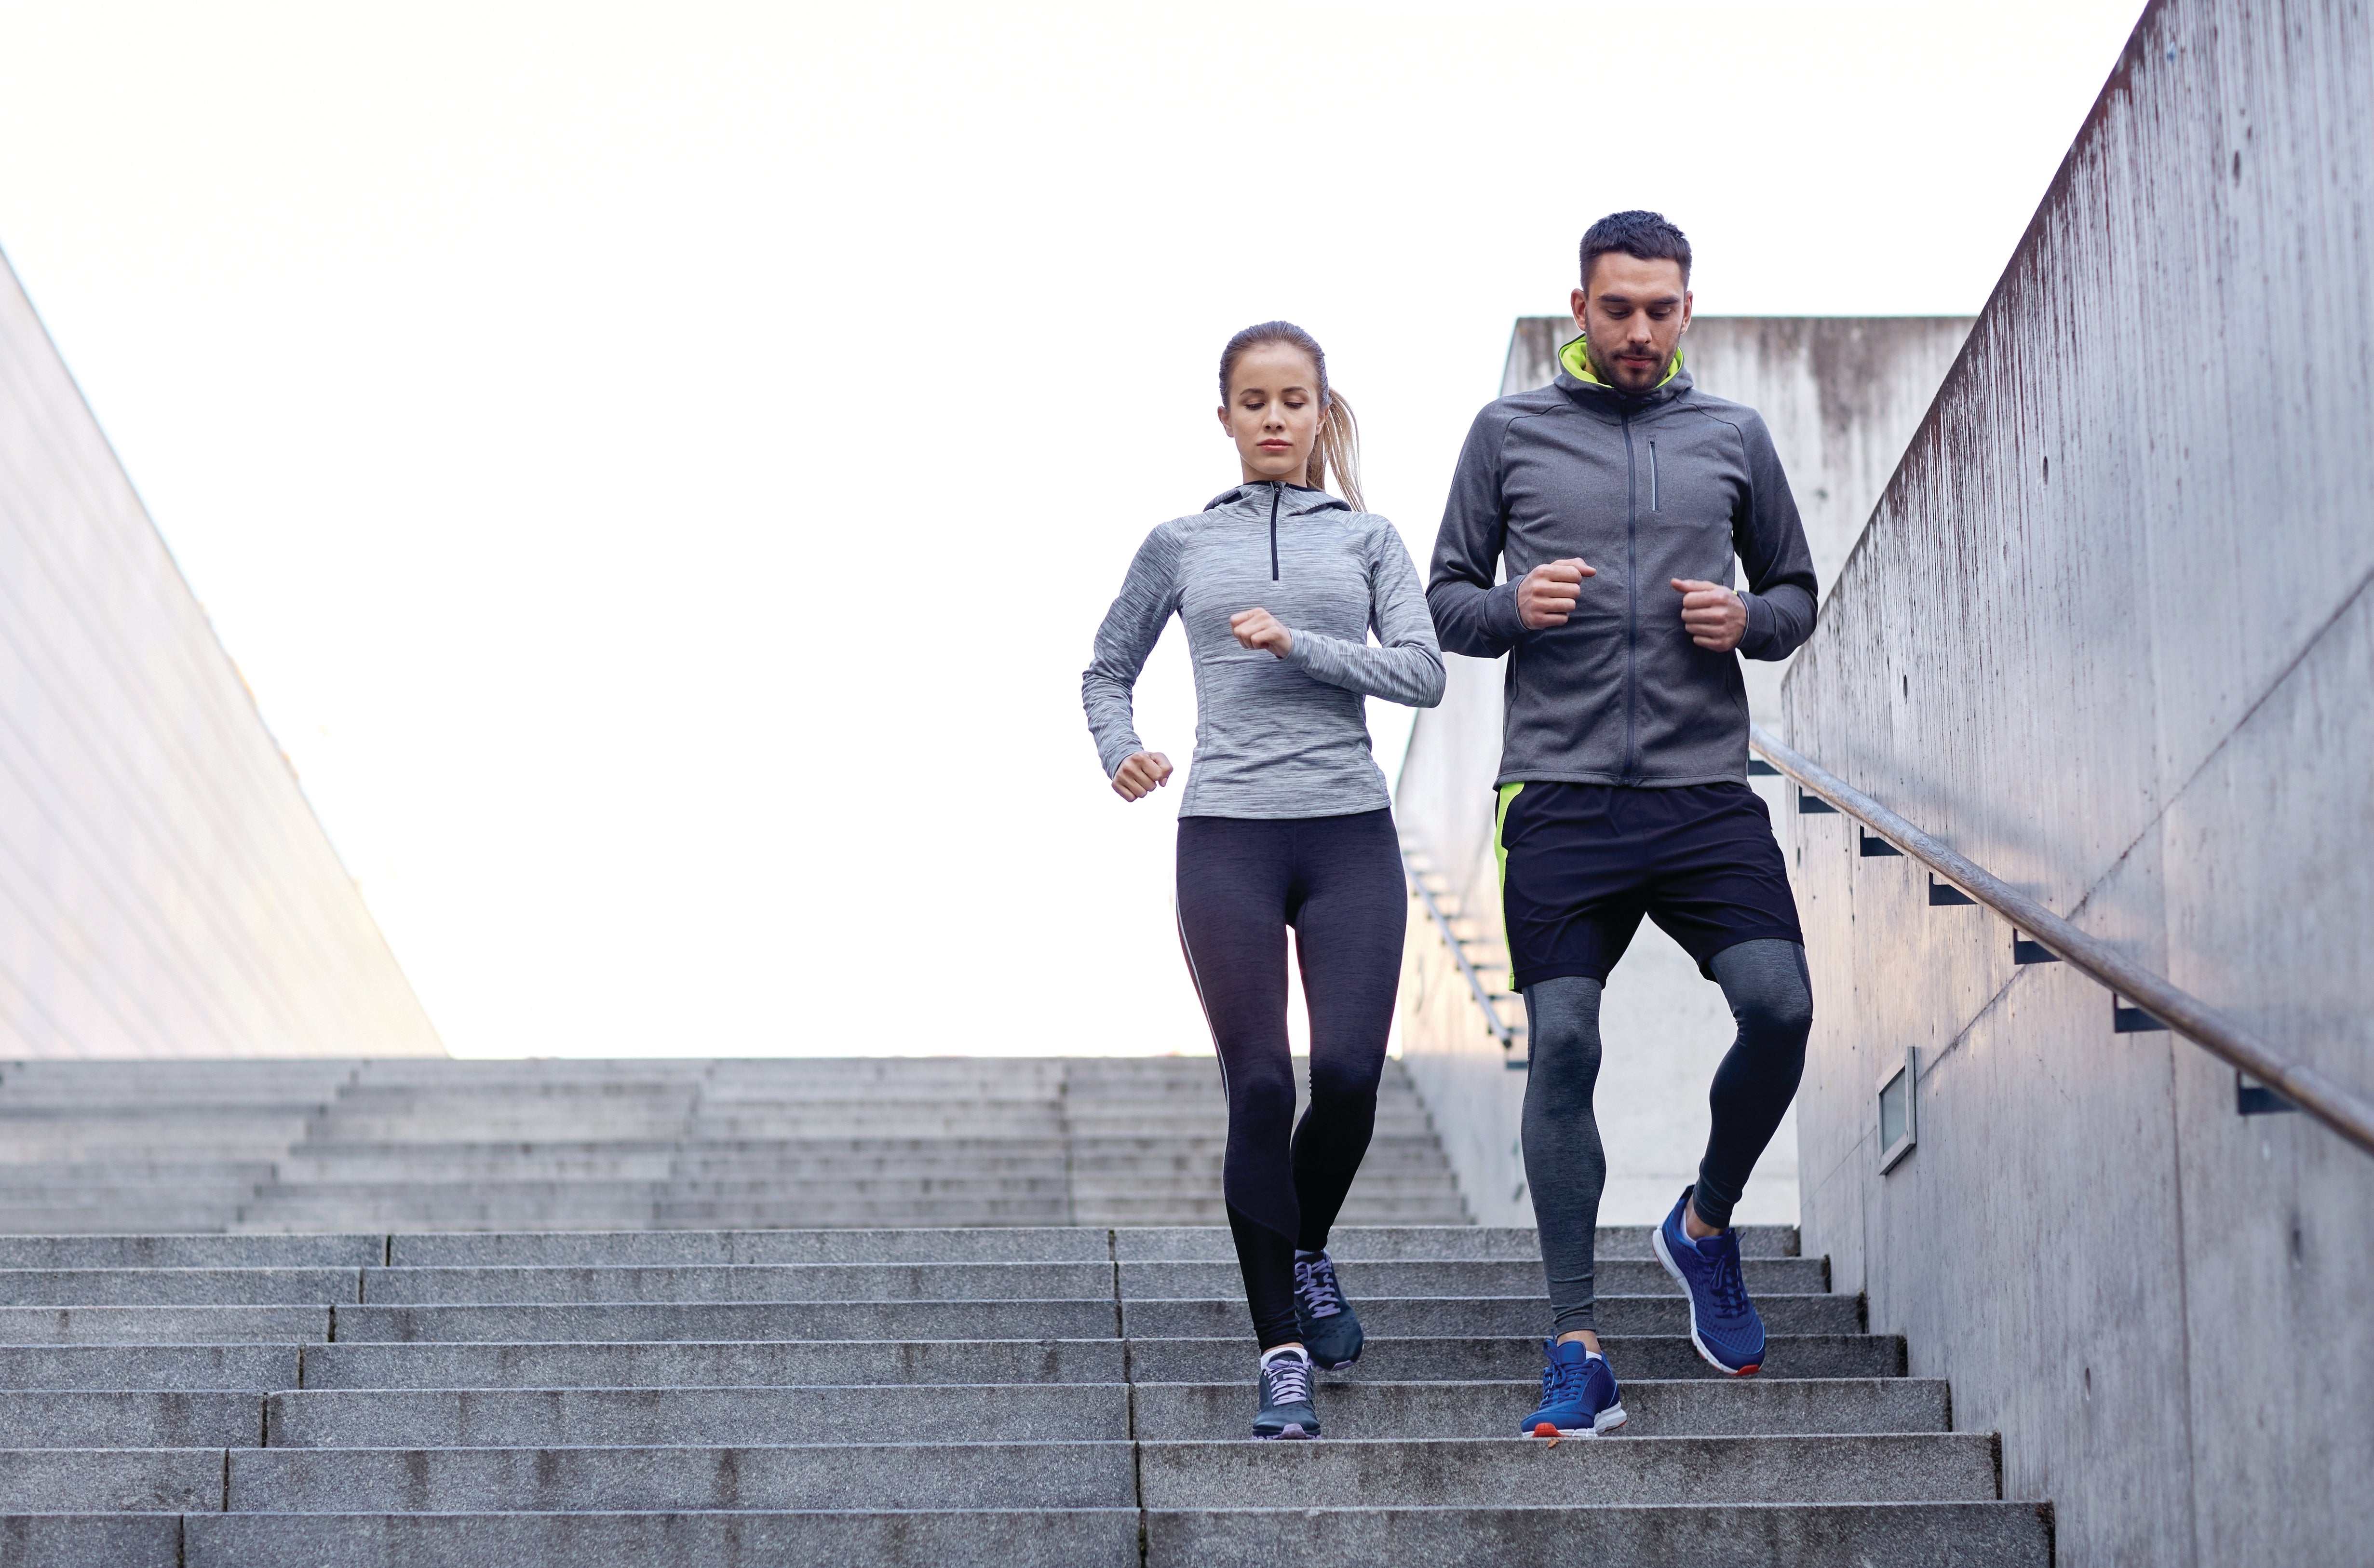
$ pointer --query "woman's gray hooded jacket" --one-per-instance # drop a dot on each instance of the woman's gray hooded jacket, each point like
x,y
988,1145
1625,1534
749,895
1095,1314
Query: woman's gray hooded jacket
x,y
1274,737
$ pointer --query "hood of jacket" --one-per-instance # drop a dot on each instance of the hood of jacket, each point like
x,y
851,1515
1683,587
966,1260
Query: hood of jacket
x,y
1579,380
1292,501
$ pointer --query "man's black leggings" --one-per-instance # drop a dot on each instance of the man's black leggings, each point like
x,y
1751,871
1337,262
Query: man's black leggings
x,y
1771,997
1337,880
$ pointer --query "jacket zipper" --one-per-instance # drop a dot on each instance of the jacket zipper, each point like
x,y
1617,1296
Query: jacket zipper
x,y
1277,492
1656,504
1632,603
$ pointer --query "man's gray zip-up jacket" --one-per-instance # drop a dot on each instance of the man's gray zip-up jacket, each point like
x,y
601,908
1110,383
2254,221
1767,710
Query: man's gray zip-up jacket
x,y
1274,737
1645,488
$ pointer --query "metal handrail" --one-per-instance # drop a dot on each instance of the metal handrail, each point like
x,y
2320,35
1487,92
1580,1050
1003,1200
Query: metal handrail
x,y
2334,1104
1492,1019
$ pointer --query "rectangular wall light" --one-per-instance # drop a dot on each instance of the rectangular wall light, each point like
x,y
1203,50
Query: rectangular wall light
x,y
1898,1119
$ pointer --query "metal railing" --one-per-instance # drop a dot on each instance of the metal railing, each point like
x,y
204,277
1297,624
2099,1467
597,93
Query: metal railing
x,y
2334,1104
1499,1026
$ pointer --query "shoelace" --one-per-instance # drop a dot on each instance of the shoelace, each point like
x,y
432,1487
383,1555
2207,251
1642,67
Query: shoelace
x,y
1286,1381
1729,1289
1316,1282
1561,1377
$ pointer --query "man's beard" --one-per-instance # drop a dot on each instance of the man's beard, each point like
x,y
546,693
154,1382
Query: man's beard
x,y
1609,371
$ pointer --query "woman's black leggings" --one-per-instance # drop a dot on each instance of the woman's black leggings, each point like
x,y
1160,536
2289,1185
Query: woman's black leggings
x,y
1337,880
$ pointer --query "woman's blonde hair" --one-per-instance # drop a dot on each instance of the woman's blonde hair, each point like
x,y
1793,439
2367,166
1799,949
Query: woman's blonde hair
x,y
1338,447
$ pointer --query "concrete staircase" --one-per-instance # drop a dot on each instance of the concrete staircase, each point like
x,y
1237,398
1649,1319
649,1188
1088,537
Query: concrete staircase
x,y
583,1145
648,1392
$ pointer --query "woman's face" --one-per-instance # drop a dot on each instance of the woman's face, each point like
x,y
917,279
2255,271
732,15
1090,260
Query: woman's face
x,y
1273,411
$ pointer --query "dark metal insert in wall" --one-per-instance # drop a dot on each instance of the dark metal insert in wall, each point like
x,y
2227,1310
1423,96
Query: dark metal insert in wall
x,y
2252,1098
2025,951
2125,1019
1874,845
1943,893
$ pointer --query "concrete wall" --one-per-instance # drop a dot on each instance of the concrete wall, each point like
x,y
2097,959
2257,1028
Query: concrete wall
x,y
1842,395
164,888
2111,634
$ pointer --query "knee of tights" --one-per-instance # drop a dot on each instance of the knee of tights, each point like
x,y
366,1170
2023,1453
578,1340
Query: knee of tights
x,y
1784,1014
1264,1099
1766,989
1340,1084
1562,1021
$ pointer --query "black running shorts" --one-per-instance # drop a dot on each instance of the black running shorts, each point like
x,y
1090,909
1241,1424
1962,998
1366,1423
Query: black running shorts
x,y
1580,864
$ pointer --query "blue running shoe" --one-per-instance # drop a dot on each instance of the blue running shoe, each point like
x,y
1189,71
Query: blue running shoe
x,y
1723,1324
1578,1395
1285,1409
1331,1331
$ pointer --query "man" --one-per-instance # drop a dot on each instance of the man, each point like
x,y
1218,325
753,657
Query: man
x,y
1616,499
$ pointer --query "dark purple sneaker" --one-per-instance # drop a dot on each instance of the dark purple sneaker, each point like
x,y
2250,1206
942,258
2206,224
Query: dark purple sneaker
x,y
1331,1329
1286,1410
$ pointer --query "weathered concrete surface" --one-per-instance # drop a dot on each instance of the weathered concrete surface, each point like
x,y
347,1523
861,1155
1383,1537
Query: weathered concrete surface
x,y
769,1153
1841,395
602,1444
170,893
2110,636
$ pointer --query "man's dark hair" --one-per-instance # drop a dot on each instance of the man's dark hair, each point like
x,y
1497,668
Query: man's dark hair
x,y
1645,236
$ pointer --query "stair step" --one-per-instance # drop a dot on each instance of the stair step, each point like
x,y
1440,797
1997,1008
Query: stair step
x,y
837,1475
717,1364
1696,1407
721,1416
258,1368
176,1286
1491,1315
1398,1472
164,1324
128,1418
1519,1357
1023,1537
1903,1534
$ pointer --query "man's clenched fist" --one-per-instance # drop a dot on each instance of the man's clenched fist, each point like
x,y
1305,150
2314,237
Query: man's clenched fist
x,y
1715,617
1548,594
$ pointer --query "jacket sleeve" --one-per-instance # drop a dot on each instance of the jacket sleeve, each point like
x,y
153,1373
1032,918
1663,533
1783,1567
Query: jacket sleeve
x,y
1149,597
1770,543
1472,614
1407,667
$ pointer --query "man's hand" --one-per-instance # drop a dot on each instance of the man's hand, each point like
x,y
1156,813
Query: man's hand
x,y
1259,629
1142,775
1715,617
1549,594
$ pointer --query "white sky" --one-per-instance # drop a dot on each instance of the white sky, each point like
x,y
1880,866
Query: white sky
x,y
660,466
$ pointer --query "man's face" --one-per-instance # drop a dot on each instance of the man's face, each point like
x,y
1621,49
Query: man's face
x,y
1633,312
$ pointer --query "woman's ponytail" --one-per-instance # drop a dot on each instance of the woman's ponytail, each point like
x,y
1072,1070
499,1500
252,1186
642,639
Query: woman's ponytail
x,y
1338,446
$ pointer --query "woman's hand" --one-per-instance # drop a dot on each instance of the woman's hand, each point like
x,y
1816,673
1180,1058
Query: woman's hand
x,y
1142,775
1259,629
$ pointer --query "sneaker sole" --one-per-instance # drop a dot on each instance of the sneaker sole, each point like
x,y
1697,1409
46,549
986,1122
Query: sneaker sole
x,y
1293,1433
1607,1420
1665,1256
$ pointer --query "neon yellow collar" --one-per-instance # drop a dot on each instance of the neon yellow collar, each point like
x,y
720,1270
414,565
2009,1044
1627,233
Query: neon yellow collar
x,y
1577,364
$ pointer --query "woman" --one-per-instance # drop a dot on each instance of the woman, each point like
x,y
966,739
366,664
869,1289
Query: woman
x,y
1286,820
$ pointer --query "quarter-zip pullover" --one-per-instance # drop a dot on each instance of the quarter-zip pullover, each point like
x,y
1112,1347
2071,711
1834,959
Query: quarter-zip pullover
x,y
1644,487
1274,737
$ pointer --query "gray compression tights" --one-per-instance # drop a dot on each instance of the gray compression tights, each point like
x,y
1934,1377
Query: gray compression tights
x,y
1770,996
